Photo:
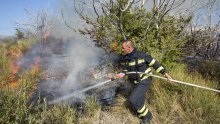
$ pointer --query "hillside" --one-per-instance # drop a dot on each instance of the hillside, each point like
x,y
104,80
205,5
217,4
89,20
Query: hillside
x,y
169,102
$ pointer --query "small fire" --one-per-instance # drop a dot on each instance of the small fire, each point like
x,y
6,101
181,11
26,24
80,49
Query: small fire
x,y
14,83
15,55
35,68
15,67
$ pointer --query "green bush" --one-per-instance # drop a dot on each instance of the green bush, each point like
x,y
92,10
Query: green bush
x,y
14,101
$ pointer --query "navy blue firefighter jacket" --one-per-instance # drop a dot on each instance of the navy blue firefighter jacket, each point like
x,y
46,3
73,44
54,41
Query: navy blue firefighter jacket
x,y
137,61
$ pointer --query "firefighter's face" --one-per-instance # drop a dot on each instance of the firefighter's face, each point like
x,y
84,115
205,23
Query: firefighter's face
x,y
126,48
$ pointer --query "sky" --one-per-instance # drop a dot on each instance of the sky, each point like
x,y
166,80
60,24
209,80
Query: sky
x,y
14,10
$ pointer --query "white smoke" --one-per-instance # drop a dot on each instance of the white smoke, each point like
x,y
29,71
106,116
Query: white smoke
x,y
80,51
64,53
82,55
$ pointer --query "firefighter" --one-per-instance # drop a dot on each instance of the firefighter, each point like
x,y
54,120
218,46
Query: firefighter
x,y
136,61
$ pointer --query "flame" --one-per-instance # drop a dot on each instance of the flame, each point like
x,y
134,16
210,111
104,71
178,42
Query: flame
x,y
15,67
19,61
36,67
15,55
14,83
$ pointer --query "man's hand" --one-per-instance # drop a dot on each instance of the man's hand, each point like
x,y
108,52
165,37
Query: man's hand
x,y
169,78
120,75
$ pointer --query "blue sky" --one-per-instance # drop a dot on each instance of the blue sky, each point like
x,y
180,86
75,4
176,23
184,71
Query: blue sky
x,y
13,10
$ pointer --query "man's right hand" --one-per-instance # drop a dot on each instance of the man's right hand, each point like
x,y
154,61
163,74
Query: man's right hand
x,y
120,75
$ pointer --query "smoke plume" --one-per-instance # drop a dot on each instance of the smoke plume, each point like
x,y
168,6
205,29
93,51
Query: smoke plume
x,y
63,54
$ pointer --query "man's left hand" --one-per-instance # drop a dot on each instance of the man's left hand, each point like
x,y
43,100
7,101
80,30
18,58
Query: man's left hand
x,y
169,78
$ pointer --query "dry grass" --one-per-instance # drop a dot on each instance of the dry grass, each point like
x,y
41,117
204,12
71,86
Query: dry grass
x,y
170,103
176,103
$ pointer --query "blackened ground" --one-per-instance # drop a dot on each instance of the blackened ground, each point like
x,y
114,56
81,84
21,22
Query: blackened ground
x,y
53,59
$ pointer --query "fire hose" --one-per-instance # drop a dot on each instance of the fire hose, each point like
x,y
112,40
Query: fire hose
x,y
66,97
181,82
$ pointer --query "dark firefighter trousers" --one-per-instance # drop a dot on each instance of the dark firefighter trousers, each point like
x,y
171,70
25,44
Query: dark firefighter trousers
x,y
137,97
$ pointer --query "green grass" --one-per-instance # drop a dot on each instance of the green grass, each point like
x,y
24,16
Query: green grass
x,y
13,101
25,44
177,103
4,66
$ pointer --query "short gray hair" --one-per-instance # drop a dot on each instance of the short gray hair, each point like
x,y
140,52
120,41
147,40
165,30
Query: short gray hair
x,y
128,43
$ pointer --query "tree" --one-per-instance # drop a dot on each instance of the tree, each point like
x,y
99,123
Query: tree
x,y
19,34
153,31
37,24
204,41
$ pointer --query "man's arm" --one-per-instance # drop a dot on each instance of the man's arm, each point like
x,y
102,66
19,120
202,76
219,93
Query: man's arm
x,y
157,66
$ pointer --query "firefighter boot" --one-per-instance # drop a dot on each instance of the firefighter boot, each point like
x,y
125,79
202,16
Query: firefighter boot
x,y
146,119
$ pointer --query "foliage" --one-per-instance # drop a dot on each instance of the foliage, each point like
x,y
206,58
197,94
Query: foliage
x,y
162,35
25,44
4,63
203,43
14,92
19,34
14,101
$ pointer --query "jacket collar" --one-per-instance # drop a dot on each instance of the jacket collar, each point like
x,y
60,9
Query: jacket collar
x,y
131,55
